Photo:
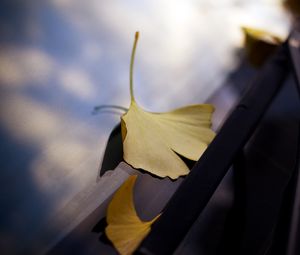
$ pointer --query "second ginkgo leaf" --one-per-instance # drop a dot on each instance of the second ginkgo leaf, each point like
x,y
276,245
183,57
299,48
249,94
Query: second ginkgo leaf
x,y
125,229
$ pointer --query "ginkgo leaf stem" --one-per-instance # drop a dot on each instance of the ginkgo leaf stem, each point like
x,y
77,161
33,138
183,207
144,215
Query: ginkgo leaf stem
x,y
132,64
108,106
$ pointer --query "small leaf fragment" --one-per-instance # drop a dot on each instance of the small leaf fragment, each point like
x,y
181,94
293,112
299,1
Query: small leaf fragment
x,y
293,6
259,45
125,229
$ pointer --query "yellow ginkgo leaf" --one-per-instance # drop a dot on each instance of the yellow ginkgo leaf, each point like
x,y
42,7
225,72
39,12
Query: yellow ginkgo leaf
x,y
259,45
125,229
154,141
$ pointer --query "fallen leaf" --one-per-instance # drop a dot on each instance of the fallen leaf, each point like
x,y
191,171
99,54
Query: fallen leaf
x,y
259,45
154,142
125,229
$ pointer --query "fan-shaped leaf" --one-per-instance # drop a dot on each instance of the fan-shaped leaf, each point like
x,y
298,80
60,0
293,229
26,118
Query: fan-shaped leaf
x,y
154,141
125,229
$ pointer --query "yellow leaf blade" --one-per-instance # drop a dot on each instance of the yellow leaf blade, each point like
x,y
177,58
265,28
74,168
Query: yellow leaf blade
x,y
125,229
153,140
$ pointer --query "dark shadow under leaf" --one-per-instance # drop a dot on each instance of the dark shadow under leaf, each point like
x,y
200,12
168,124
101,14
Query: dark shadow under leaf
x,y
104,239
100,226
113,154
190,163
100,229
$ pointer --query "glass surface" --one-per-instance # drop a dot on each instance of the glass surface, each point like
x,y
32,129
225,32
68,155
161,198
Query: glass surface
x,y
60,58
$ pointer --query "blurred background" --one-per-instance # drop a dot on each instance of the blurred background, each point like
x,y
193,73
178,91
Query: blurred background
x,y
60,58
